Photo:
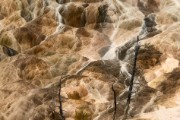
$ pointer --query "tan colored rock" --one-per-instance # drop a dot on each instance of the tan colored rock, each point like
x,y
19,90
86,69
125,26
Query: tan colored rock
x,y
75,41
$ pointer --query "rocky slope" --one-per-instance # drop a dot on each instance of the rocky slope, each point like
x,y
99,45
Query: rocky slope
x,y
75,42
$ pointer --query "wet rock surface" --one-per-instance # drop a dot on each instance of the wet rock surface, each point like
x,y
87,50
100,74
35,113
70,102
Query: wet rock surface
x,y
89,45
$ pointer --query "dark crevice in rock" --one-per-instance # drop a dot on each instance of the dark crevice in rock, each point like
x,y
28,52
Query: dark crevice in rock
x,y
26,15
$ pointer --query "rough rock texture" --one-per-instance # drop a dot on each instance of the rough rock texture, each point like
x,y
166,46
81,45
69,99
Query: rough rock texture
x,y
75,41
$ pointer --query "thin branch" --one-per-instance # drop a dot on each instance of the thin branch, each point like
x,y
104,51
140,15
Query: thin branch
x,y
64,78
132,80
115,103
60,102
52,112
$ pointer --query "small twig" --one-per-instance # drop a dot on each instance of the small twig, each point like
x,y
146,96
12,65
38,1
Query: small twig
x,y
64,78
52,111
60,103
115,108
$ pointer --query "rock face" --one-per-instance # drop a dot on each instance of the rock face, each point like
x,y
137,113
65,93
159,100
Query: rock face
x,y
88,47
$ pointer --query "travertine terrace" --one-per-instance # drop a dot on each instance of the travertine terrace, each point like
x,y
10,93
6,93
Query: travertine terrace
x,y
75,41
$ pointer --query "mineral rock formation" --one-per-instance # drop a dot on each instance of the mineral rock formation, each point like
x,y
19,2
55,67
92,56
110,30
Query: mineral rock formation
x,y
88,45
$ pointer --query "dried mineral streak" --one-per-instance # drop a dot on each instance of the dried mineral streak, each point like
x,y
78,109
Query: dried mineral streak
x,y
110,54
36,11
120,9
60,28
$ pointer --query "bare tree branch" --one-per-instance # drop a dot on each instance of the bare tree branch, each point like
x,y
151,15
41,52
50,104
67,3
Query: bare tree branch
x,y
60,102
65,77
132,80
115,108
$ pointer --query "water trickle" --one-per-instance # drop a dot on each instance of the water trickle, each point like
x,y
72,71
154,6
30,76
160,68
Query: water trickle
x,y
120,8
61,26
110,54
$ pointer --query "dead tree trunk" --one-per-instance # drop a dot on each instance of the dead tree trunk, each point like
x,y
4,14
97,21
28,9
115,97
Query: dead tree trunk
x,y
132,80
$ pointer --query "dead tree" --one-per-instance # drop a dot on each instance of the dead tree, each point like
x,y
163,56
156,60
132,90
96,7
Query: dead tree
x,y
132,80
115,103
60,103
